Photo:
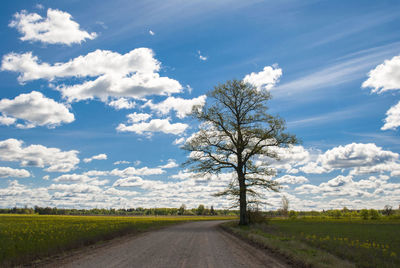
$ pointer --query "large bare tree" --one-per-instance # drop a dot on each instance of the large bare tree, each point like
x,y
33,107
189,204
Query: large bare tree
x,y
235,131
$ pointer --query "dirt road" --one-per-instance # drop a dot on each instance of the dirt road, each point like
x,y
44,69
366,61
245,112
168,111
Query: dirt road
x,y
195,244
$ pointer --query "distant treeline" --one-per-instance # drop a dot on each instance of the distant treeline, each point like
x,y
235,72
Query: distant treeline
x,y
200,210
337,213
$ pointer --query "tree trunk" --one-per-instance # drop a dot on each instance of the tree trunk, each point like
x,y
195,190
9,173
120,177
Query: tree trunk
x,y
242,200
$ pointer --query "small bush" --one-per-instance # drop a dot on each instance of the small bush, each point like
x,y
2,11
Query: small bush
x,y
364,214
292,214
374,214
337,214
256,216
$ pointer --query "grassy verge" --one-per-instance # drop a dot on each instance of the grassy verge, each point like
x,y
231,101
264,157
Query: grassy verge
x,y
329,242
297,253
28,237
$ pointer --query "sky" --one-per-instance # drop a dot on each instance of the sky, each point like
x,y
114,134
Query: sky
x,y
95,97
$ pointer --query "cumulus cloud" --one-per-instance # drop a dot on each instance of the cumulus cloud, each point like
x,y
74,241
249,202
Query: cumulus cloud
x,y
129,182
346,186
131,171
7,121
392,120
385,76
35,109
122,103
289,179
361,158
96,173
182,107
53,159
155,125
95,157
6,172
266,79
151,32
57,28
141,183
116,192
81,179
290,159
171,164
131,75
16,194
76,188
137,117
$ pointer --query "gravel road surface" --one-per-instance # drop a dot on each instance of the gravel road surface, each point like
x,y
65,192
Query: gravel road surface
x,y
194,244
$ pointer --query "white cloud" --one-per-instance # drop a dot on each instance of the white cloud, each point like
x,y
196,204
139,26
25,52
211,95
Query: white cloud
x,y
266,79
171,164
75,188
385,76
121,162
36,110
179,141
80,179
122,103
57,28
46,178
72,178
151,32
155,125
137,117
141,183
113,191
349,68
345,186
4,120
201,57
53,159
189,89
290,159
95,173
19,195
392,120
39,6
129,182
289,179
131,171
6,172
131,75
95,157
183,107
361,158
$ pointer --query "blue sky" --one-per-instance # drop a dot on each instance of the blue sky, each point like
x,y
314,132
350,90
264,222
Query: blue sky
x,y
86,85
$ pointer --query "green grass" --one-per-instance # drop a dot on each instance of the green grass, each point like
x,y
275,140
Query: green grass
x,y
24,238
366,243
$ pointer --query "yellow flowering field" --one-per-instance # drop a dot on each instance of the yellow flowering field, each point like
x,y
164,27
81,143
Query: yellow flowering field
x,y
26,237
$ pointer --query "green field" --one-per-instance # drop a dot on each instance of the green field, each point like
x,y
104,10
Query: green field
x,y
27,237
366,243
